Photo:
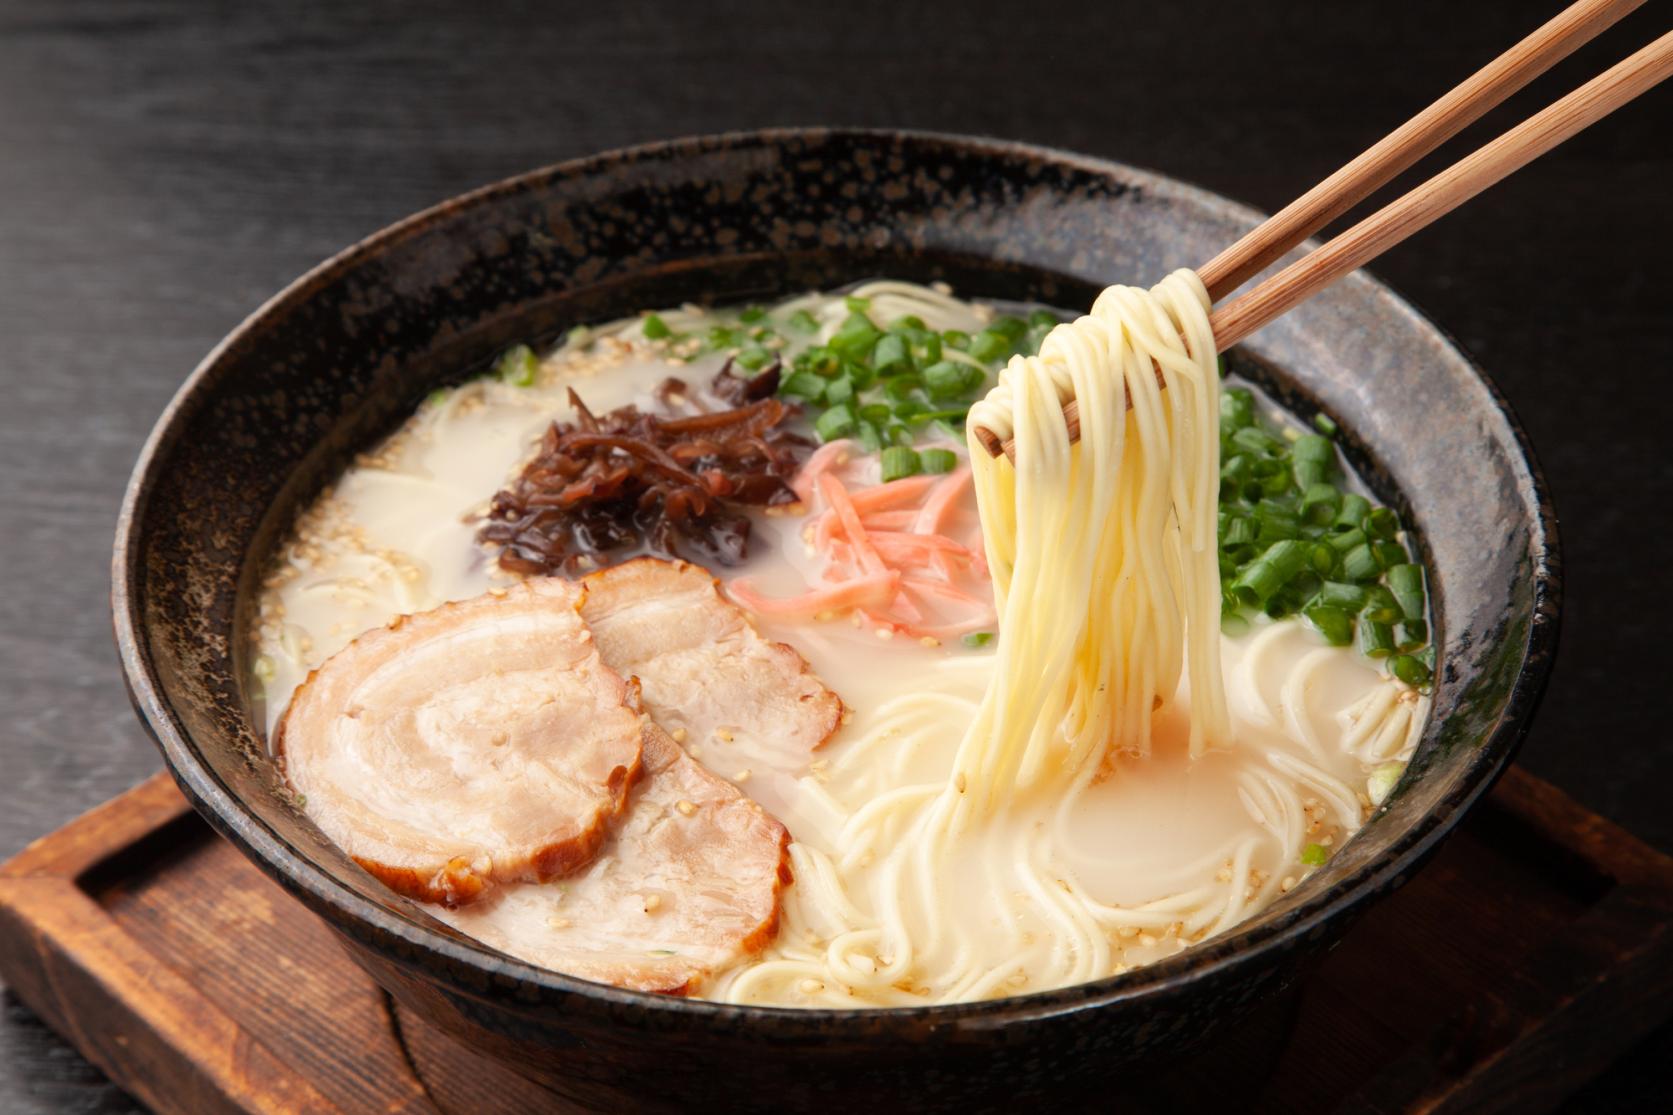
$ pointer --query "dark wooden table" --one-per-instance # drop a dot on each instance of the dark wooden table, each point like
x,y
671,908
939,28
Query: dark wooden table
x,y
165,166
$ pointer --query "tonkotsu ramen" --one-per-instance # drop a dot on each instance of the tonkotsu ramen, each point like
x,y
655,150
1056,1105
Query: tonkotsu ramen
x,y
707,653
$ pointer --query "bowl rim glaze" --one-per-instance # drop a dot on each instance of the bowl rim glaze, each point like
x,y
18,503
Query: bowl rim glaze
x,y
501,975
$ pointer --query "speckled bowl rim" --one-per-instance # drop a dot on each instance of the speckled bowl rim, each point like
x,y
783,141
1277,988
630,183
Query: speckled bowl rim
x,y
506,977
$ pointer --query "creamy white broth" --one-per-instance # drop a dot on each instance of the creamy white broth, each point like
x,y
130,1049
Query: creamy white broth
x,y
396,534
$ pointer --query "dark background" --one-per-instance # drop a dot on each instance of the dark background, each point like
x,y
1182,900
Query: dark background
x,y
164,167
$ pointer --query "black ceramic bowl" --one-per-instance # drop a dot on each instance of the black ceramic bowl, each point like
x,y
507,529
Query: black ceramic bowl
x,y
346,352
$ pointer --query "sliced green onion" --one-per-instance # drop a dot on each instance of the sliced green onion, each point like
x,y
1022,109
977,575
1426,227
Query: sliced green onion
x,y
1320,502
955,338
1380,605
1413,634
517,366
857,305
1360,565
1325,424
1042,318
1347,540
803,322
900,461
907,323
1275,522
950,379
1354,509
1336,625
868,436
977,639
855,337
988,346
1338,594
839,390
1382,781
1256,440
1233,625
752,314
1406,583
1011,328
1409,670
754,357
954,414
937,461
836,422
1314,459
1239,531
1389,554
875,412
1376,640
1264,576
900,388
1382,523
655,328
805,385
1237,409
819,360
1314,855
892,355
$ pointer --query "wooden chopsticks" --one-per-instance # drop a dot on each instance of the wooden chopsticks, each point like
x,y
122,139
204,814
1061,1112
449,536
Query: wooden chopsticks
x,y
1434,198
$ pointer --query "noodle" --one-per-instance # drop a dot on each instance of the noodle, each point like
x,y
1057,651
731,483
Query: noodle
x,y
1105,575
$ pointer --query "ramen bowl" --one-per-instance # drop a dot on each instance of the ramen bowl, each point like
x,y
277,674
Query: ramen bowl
x,y
345,353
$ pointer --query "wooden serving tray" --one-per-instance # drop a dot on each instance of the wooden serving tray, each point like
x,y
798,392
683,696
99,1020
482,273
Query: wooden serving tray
x,y
1513,968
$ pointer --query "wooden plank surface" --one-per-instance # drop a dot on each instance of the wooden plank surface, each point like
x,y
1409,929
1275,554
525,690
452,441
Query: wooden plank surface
x,y
199,986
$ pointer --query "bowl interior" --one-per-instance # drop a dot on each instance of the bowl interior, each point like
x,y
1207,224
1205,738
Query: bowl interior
x,y
345,353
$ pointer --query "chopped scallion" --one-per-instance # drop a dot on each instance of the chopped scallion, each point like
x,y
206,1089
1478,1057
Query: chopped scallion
x,y
836,422
988,346
518,366
950,379
937,461
1336,625
806,385
1409,670
1376,640
900,461
1406,583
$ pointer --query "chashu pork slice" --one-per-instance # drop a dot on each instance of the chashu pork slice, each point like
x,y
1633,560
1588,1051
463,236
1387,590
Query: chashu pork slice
x,y
688,884
704,672
481,743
